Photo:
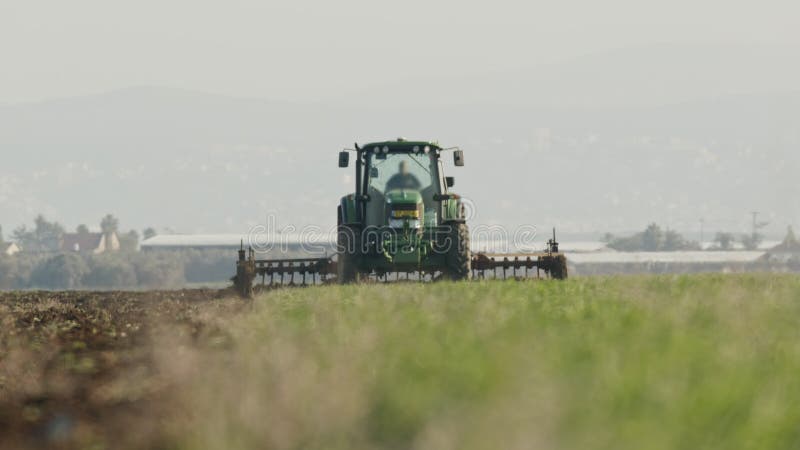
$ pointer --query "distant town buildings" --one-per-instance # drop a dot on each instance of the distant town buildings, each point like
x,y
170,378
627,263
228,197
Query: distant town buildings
x,y
94,243
8,248
788,250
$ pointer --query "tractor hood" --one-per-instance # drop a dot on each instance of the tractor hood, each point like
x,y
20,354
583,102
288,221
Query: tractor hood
x,y
403,196
404,209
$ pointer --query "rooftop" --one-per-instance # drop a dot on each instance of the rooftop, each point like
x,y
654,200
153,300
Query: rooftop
x,y
790,244
73,242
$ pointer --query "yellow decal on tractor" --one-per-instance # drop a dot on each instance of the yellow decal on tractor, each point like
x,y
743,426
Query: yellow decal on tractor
x,y
413,213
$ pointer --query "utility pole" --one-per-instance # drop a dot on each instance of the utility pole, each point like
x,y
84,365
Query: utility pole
x,y
756,237
756,224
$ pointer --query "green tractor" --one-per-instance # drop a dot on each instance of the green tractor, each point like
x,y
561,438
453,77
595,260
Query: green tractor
x,y
402,217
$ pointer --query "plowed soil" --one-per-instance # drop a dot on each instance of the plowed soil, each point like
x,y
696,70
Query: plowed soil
x,y
81,369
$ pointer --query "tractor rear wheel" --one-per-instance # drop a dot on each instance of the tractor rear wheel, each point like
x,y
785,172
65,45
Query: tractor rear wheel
x,y
348,243
459,258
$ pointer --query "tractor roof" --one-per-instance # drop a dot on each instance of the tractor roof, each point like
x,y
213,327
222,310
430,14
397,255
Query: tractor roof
x,y
401,145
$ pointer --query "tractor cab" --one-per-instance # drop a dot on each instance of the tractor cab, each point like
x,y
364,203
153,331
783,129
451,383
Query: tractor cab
x,y
400,184
400,187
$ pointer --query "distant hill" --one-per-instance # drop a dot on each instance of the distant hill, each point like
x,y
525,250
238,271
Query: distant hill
x,y
200,162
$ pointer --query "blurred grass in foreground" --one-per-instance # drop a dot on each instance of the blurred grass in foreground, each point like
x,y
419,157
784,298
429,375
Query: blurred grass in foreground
x,y
687,362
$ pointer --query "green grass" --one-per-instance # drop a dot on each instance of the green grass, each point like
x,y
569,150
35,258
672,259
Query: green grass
x,y
688,362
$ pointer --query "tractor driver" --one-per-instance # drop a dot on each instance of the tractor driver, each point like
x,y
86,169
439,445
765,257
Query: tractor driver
x,y
403,179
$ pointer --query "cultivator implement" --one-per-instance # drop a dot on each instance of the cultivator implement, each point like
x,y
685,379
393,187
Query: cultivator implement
x,y
521,265
503,265
254,275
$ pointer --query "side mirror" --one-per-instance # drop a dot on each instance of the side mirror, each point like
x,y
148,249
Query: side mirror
x,y
344,159
449,181
458,158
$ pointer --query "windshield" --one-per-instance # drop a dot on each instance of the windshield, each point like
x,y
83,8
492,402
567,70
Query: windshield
x,y
401,171
396,171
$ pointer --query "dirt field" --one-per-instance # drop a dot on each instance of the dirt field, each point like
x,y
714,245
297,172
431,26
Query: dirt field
x,y
82,369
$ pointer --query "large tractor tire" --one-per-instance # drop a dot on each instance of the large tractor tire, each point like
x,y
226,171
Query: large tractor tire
x,y
459,257
348,243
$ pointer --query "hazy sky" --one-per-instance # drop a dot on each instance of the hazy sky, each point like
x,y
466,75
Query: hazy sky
x,y
382,70
307,51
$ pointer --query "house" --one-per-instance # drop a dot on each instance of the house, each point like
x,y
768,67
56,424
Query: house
x,y
8,248
93,243
788,250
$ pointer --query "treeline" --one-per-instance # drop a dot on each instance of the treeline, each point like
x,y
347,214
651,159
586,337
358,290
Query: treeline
x,y
655,239
652,239
44,262
46,236
119,270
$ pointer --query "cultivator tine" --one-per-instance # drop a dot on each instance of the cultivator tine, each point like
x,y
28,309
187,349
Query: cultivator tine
x,y
298,269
